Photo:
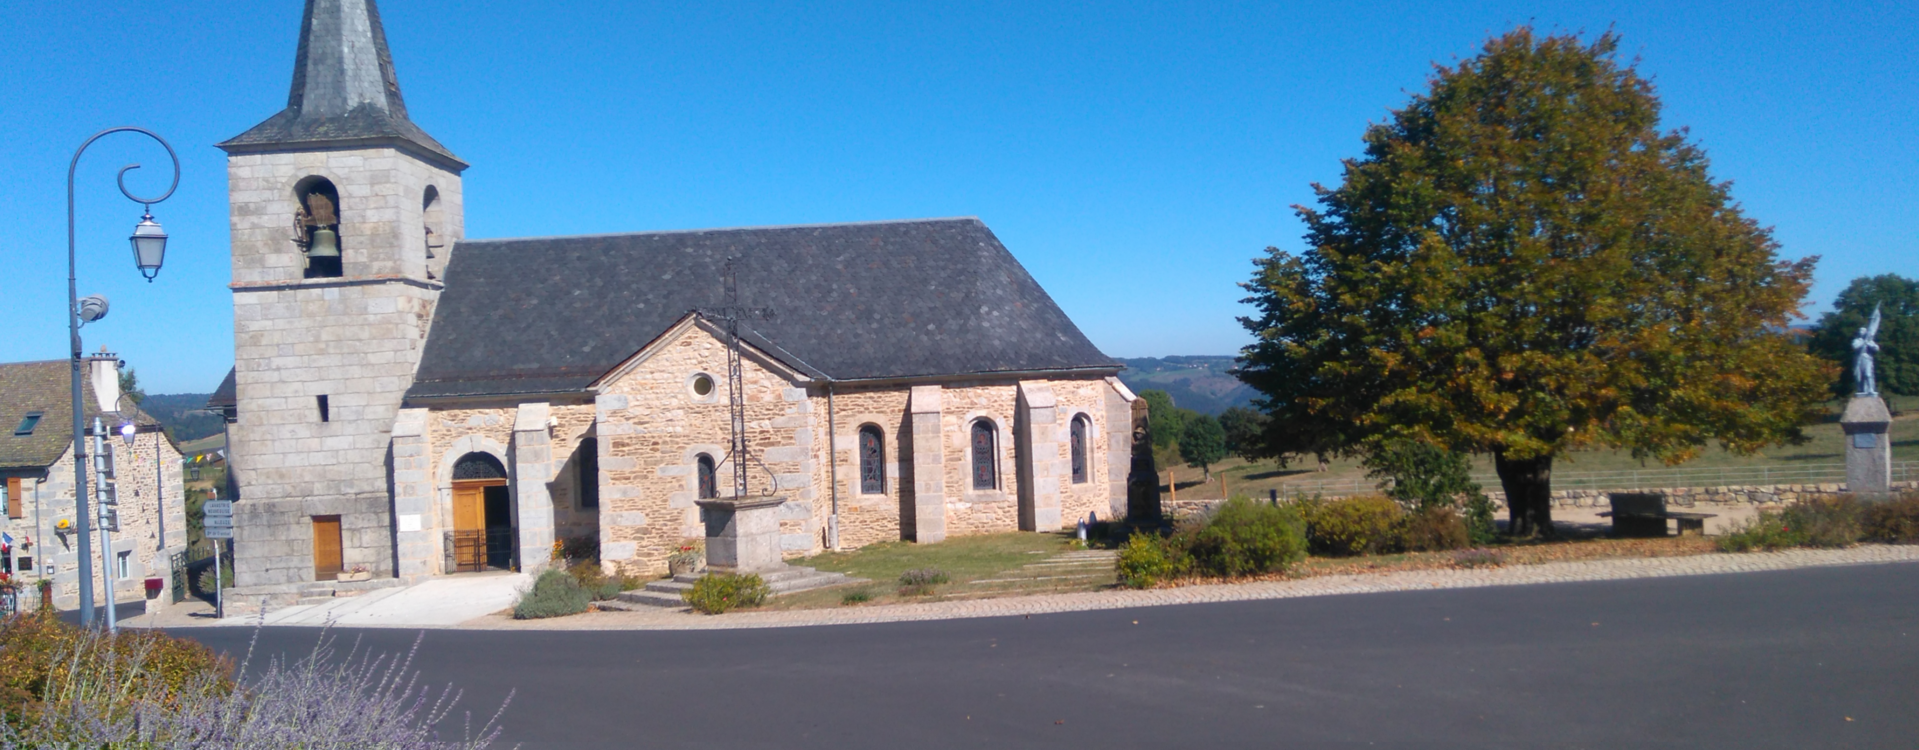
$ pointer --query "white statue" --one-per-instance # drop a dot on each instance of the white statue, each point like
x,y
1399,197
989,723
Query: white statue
x,y
1863,348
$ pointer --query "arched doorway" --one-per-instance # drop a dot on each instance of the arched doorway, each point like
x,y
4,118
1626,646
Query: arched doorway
x,y
482,533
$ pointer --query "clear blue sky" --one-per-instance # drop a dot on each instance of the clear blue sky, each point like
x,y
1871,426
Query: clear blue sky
x,y
1135,157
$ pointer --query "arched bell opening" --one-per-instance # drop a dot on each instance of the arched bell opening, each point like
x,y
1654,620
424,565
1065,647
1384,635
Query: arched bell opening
x,y
316,227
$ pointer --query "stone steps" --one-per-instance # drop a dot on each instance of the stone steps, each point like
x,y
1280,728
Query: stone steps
x,y
667,593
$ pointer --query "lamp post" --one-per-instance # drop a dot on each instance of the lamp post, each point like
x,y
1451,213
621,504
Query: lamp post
x,y
149,250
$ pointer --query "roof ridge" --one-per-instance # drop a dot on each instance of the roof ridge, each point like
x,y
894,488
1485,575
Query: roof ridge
x,y
879,222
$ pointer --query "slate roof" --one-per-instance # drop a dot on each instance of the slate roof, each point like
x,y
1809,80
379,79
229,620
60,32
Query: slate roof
x,y
45,387
901,299
227,395
344,90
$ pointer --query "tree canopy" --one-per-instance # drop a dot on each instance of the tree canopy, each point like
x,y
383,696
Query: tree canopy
x,y
1522,263
1202,443
1898,357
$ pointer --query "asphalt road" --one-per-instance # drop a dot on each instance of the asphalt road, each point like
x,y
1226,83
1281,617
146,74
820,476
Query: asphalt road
x,y
1823,657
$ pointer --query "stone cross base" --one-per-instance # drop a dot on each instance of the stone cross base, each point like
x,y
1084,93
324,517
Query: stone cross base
x,y
742,534
1866,423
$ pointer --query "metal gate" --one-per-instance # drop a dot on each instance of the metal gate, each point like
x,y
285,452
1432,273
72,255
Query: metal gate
x,y
177,562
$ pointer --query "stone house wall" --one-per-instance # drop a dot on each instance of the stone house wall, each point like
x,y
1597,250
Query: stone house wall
x,y
47,498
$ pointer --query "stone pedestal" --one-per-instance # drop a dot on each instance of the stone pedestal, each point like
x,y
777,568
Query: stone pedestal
x,y
1868,447
742,534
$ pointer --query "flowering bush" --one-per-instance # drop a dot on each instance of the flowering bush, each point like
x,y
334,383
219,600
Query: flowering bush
x,y
716,593
1146,559
69,687
1895,521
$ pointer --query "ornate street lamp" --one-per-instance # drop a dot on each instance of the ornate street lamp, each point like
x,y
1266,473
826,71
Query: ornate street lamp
x,y
149,249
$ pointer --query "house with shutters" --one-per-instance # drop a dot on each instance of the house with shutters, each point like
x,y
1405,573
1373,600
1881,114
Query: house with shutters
x,y
414,402
36,476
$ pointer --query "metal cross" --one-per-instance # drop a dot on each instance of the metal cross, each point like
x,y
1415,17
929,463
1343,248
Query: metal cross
x,y
729,317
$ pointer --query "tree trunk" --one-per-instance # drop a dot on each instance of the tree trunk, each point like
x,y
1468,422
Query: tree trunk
x,y
1529,486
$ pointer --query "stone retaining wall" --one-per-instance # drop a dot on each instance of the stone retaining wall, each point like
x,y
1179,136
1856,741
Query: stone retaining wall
x,y
1761,495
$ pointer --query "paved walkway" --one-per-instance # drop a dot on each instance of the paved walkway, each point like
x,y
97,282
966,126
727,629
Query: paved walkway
x,y
435,603
1517,575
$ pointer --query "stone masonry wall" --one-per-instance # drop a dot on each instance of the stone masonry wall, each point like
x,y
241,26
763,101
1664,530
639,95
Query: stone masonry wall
x,y
1087,399
47,500
652,427
867,518
354,339
971,511
1677,497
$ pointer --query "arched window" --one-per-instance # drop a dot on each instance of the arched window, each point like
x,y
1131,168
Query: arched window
x,y
872,461
316,223
1079,449
985,470
709,479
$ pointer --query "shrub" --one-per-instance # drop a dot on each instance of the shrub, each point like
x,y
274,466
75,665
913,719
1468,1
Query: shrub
x,y
1479,519
597,583
1766,531
921,581
1478,558
44,661
1894,521
1422,475
554,594
1435,529
203,583
69,687
1146,559
1363,525
859,596
1246,538
716,593
1826,522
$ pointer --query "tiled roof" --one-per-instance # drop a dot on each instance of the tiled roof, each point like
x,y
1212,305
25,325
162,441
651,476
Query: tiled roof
x,y
937,297
45,387
344,90
226,396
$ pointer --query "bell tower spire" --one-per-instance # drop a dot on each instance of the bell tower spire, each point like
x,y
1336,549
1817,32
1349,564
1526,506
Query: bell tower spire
x,y
344,91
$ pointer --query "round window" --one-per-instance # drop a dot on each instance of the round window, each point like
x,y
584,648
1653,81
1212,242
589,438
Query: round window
x,y
702,385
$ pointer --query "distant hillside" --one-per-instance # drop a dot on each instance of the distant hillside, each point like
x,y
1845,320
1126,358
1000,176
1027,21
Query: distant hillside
x,y
1203,384
184,414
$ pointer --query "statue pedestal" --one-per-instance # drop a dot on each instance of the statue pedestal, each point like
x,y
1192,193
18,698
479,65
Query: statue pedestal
x,y
1868,447
743,534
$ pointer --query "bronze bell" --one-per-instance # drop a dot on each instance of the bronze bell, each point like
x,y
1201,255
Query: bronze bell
x,y
326,244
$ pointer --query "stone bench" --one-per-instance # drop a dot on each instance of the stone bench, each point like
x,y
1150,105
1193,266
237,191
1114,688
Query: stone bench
x,y
1644,514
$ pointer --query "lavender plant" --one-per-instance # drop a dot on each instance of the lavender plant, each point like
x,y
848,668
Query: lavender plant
x,y
357,700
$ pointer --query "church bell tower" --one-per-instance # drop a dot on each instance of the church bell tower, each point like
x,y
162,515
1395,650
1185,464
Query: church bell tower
x,y
343,214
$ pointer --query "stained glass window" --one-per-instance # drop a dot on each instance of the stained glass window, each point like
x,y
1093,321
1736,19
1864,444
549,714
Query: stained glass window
x,y
983,469
1079,449
872,461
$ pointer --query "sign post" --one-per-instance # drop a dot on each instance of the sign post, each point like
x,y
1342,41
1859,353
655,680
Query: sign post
x,y
216,520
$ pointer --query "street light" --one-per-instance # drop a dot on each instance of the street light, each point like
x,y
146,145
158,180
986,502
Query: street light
x,y
149,249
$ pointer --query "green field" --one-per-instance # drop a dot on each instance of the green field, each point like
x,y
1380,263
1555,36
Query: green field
x,y
1813,462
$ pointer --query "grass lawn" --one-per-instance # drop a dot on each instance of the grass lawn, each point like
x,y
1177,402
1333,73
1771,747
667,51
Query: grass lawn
x,y
1824,447
995,565
966,559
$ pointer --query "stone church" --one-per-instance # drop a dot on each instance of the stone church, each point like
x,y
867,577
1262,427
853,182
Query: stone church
x,y
408,402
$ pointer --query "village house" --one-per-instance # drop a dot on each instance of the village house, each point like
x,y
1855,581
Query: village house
x,y
409,402
36,483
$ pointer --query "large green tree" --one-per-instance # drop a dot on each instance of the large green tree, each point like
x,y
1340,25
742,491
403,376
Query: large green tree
x,y
1202,443
1897,363
1523,264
